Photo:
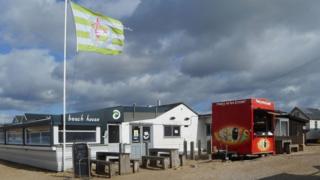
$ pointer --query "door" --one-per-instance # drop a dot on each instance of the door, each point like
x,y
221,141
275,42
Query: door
x,y
140,135
113,137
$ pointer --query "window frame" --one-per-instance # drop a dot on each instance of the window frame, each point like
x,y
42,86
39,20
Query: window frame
x,y
41,132
3,131
172,129
7,136
73,129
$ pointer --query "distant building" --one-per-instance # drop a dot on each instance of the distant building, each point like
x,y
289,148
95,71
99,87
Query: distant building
x,y
288,127
204,130
313,125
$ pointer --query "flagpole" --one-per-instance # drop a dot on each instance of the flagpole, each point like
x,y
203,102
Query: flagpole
x,y
64,85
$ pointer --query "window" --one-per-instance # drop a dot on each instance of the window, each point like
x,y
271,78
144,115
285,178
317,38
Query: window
x,y
146,134
208,129
14,136
1,136
316,124
136,134
38,135
172,131
284,127
78,134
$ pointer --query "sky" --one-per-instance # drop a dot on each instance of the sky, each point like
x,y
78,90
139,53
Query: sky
x,y
196,52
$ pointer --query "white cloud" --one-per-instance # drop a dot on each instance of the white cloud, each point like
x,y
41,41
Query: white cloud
x,y
4,118
26,79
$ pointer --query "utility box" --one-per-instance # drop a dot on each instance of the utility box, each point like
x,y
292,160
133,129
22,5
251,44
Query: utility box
x,y
244,127
80,155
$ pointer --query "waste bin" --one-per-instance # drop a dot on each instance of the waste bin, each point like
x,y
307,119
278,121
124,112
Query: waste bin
x,y
80,155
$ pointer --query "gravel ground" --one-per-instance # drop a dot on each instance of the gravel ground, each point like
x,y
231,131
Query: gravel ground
x,y
301,165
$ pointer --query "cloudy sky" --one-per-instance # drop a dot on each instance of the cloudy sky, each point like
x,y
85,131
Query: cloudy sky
x,y
192,51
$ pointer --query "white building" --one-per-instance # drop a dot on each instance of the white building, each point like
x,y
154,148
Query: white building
x,y
166,126
36,139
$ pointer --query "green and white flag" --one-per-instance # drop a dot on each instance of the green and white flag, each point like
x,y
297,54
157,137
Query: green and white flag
x,y
96,32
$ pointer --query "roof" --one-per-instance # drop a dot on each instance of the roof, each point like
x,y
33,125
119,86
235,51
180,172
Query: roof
x,y
292,118
205,115
311,113
19,119
159,109
30,116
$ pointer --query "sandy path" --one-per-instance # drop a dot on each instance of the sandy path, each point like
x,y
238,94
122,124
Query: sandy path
x,y
299,165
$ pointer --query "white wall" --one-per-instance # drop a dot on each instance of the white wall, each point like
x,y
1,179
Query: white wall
x,y
125,133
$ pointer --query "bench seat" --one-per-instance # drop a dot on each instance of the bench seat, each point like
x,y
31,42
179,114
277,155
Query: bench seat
x,y
102,165
164,161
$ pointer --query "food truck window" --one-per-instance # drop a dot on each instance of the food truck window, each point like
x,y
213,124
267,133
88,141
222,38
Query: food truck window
x,y
37,135
262,123
2,136
14,136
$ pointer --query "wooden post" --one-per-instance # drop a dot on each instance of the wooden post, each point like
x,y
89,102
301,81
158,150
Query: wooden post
x,y
120,147
199,149
192,150
146,148
209,150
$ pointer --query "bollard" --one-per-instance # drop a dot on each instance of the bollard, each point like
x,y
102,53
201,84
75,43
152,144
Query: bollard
x,y
185,148
199,149
192,150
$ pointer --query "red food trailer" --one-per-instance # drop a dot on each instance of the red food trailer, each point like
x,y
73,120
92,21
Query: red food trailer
x,y
243,127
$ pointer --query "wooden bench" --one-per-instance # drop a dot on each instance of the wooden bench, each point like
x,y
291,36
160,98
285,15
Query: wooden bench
x,y
135,165
102,164
301,147
164,161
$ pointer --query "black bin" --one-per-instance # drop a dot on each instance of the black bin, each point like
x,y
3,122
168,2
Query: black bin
x,y
80,155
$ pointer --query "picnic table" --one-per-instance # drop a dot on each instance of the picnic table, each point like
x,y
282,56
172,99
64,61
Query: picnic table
x,y
122,158
173,154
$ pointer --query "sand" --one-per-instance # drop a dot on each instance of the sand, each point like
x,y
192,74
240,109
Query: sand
x,y
300,165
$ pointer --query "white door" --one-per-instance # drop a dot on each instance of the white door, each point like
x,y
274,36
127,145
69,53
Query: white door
x,y
140,135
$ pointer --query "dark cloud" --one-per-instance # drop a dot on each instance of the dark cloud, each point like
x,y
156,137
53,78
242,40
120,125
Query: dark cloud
x,y
183,50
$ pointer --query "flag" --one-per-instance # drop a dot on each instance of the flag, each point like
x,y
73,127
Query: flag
x,y
96,32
